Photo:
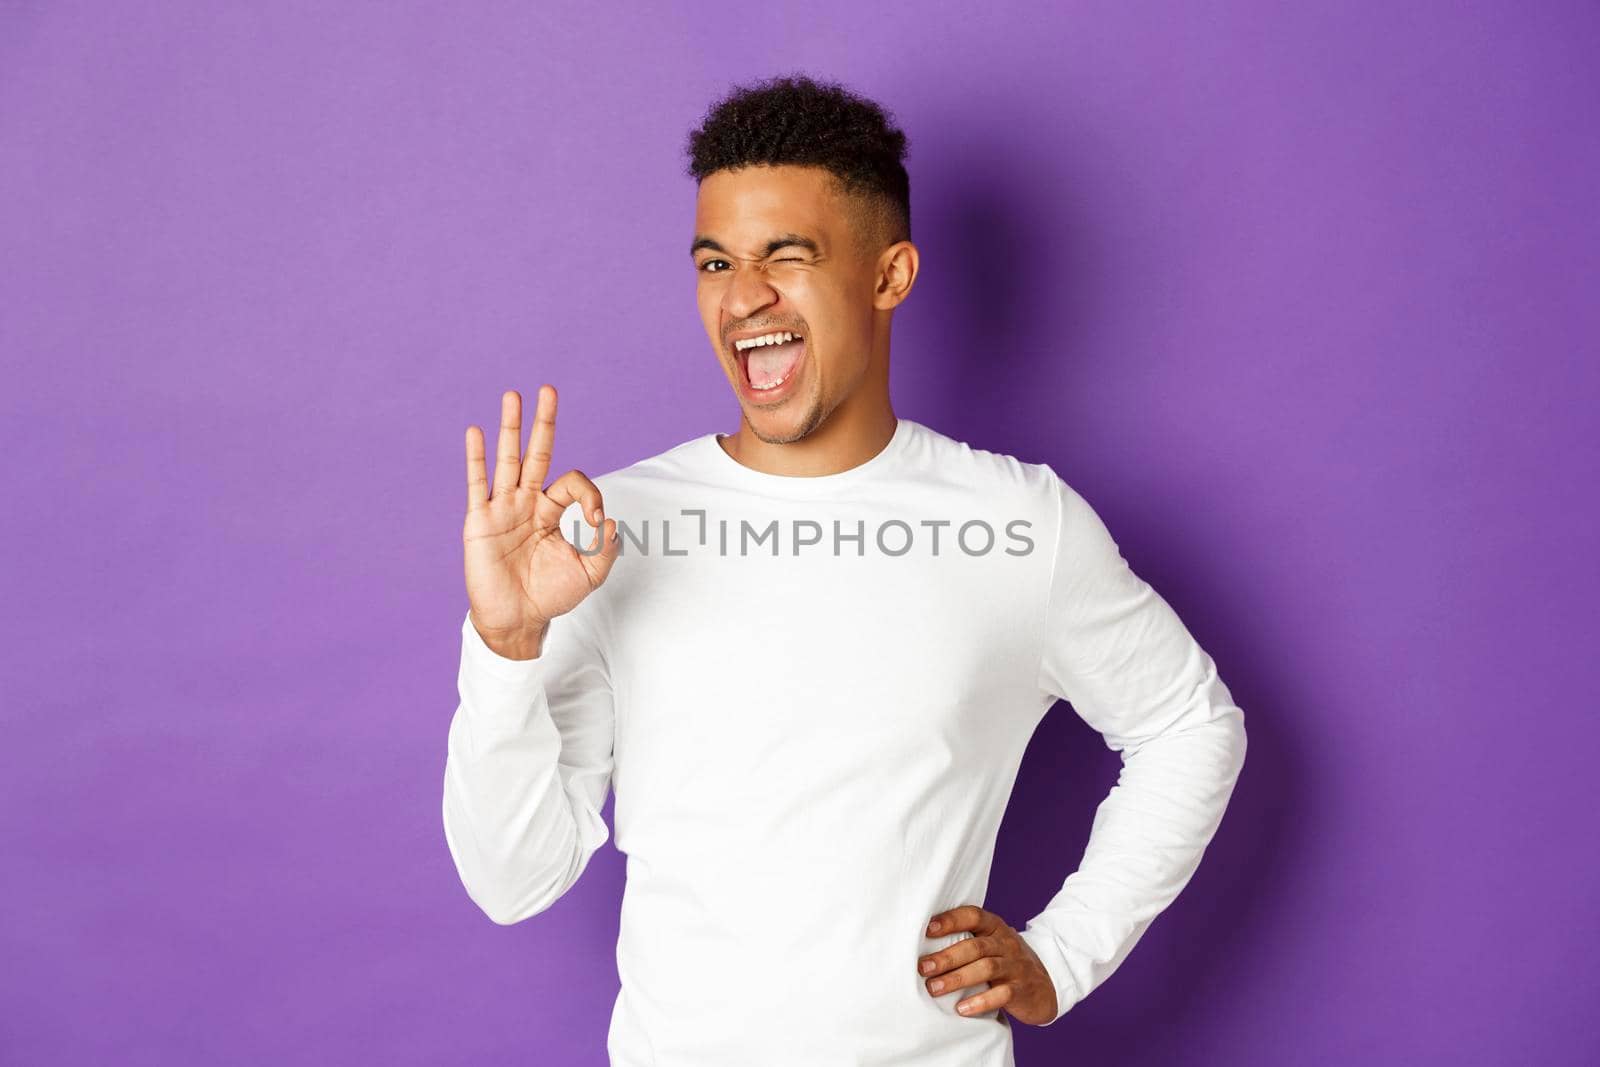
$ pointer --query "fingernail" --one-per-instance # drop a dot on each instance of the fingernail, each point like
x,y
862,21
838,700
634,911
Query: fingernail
x,y
938,984
927,966
933,927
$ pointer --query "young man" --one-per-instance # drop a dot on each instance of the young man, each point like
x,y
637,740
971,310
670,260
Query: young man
x,y
813,676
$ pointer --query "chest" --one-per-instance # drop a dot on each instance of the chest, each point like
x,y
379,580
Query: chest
x,y
750,684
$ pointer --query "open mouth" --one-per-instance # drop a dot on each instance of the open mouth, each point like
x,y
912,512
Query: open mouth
x,y
767,362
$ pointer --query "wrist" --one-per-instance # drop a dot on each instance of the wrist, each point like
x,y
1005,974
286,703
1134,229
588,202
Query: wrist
x,y
523,643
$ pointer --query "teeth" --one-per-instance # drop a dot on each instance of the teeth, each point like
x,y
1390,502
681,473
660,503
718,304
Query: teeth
x,y
764,339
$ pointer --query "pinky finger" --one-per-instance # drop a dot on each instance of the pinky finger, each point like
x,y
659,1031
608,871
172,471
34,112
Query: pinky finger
x,y
988,1000
477,479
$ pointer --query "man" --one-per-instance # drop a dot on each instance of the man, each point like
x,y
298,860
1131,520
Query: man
x,y
812,679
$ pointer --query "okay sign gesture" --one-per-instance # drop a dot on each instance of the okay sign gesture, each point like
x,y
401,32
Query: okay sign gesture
x,y
521,572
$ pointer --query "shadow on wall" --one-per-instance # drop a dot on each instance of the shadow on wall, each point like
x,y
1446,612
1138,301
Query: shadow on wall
x,y
1003,308
1012,305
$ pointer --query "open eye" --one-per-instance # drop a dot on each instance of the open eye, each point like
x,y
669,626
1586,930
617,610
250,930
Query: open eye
x,y
704,268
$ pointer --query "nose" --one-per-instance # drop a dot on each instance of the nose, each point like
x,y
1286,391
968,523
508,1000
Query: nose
x,y
748,292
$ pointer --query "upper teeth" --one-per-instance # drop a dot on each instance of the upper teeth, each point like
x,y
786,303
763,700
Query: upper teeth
x,y
764,339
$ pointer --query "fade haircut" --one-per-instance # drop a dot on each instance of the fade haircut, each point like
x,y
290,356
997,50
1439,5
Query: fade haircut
x,y
799,121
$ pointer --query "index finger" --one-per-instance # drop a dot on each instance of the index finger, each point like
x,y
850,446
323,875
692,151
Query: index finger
x,y
963,917
536,464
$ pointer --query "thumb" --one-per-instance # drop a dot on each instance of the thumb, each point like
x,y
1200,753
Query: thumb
x,y
598,563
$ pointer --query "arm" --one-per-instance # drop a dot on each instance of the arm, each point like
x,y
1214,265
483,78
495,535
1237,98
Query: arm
x,y
1119,653
528,768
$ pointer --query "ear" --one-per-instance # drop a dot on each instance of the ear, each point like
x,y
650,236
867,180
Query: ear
x,y
895,273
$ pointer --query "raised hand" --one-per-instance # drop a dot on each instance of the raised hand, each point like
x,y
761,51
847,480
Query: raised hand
x,y
521,572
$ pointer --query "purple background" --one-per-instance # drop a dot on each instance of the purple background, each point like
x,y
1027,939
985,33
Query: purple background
x,y
1304,301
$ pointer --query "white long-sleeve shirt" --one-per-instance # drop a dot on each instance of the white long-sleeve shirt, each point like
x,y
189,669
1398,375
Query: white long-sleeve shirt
x,y
811,696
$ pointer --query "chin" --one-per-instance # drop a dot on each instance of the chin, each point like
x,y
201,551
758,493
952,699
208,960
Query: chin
x,y
783,425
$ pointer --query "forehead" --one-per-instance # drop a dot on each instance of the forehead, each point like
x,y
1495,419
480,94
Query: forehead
x,y
751,204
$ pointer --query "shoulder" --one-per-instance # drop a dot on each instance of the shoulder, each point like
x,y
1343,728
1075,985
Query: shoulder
x,y
671,465
653,482
998,478
659,476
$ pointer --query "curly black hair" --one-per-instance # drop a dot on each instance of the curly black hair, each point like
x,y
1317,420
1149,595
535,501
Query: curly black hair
x,y
795,119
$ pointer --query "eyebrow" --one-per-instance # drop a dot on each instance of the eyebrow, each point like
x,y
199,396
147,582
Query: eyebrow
x,y
781,241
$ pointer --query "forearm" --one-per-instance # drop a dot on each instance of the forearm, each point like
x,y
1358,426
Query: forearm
x,y
1145,845
519,832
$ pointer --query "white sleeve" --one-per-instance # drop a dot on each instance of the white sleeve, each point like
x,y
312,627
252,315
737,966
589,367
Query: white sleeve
x,y
528,768
1119,654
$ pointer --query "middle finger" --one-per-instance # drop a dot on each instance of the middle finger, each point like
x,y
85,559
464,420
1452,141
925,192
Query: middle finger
x,y
982,969
954,955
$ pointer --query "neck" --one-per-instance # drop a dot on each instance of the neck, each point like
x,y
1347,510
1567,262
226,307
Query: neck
x,y
853,433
